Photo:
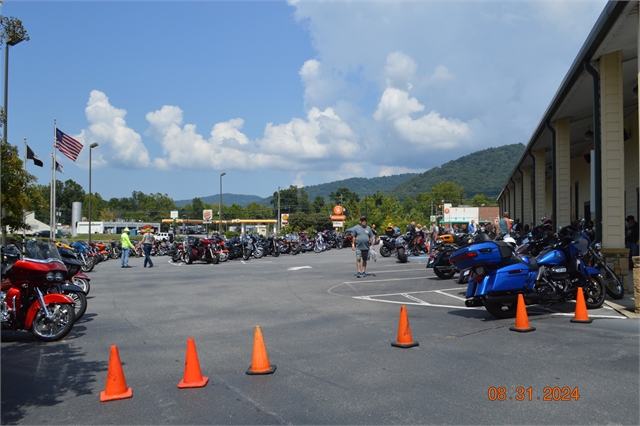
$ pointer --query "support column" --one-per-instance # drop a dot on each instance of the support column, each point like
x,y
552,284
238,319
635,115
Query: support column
x,y
517,195
527,216
612,131
539,185
563,172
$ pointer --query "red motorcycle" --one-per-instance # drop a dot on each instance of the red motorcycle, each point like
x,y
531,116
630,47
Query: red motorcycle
x,y
200,249
25,303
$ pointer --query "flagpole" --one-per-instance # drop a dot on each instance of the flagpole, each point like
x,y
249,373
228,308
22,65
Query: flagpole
x,y
24,212
55,227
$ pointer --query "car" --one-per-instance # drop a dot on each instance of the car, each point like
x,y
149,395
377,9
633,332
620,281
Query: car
x,y
47,234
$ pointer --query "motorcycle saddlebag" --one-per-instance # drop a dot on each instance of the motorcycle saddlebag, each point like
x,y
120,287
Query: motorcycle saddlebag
x,y
446,238
483,253
509,278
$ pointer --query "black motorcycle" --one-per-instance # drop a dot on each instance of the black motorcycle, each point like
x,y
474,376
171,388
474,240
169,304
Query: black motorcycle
x,y
388,246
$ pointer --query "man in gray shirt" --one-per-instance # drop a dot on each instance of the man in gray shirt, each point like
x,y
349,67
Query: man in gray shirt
x,y
361,243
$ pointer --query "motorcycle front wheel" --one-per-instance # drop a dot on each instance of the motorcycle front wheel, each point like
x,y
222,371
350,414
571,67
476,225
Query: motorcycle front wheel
x,y
80,301
402,255
246,254
83,284
612,284
502,310
88,265
594,292
276,252
258,253
385,252
58,326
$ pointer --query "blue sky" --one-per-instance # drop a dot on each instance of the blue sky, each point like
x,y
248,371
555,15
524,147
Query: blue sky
x,y
276,93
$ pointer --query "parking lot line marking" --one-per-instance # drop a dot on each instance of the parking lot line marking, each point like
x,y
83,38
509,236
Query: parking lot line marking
x,y
415,299
369,298
450,295
296,268
395,272
390,279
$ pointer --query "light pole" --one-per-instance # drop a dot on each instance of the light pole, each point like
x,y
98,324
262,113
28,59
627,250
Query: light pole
x,y
278,218
10,41
93,145
220,205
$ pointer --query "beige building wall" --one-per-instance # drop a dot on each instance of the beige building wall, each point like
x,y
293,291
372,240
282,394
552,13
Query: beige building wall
x,y
563,171
631,164
580,174
527,214
518,200
613,172
548,206
539,185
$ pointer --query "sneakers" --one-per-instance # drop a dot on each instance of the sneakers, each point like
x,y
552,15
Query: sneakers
x,y
361,274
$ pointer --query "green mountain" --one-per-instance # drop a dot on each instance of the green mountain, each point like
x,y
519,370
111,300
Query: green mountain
x,y
482,172
227,199
361,186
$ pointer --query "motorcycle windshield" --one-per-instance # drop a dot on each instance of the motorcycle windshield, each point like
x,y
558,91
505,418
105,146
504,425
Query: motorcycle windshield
x,y
42,250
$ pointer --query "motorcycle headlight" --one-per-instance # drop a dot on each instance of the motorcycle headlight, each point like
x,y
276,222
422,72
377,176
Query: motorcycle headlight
x,y
50,276
59,276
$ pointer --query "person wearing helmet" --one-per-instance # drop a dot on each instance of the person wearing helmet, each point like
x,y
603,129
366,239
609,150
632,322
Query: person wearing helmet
x,y
126,248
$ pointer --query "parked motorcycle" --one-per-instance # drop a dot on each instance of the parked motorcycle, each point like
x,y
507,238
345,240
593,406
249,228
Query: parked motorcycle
x,y
84,256
199,249
388,246
25,303
613,284
43,250
402,248
553,276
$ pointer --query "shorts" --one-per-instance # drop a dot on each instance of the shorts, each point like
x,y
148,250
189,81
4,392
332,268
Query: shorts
x,y
362,254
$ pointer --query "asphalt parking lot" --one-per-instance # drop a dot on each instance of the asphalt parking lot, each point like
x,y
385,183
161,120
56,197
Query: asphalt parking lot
x,y
330,335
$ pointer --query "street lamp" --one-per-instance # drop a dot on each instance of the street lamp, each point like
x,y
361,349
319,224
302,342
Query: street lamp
x,y
10,41
220,205
93,145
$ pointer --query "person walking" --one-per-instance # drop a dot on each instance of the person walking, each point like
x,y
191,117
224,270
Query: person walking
x,y
362,242
126,248
434,235
375,234
147,244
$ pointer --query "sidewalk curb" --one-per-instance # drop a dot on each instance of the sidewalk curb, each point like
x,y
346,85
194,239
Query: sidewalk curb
x,y
627,311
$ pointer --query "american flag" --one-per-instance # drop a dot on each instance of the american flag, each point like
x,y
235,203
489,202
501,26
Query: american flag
x,y
68,145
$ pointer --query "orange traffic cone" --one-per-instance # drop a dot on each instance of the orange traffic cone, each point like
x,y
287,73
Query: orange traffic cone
x,y
522,320
581,309
192,374
404,331
260,359
116,384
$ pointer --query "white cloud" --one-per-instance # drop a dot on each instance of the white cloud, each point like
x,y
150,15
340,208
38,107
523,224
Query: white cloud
x,y
120,146
399,70
323,136
440,75
395,104
298,181
430,130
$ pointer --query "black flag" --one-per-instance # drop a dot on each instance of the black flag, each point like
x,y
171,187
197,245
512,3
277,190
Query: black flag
x,y
32,156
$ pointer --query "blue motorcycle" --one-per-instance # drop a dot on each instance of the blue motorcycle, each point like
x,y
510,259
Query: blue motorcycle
x,y
553,276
